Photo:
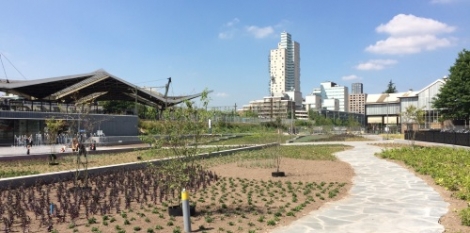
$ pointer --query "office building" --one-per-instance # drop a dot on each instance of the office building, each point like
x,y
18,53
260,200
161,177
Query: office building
x,y
331,90
357,88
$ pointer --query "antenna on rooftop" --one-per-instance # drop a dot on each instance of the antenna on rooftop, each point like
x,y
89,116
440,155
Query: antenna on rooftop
x,y
4,70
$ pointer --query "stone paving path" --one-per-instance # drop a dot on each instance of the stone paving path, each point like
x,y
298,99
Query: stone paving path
x,y
385,197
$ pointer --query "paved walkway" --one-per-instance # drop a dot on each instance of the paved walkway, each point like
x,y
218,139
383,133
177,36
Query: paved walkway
x,y
385,197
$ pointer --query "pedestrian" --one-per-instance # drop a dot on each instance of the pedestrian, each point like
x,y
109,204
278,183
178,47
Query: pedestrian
x,y
28,146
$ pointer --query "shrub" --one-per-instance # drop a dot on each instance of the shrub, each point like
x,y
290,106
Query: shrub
x,y
465,216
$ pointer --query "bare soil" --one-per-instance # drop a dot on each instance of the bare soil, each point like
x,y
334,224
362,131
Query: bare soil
x,y
243,200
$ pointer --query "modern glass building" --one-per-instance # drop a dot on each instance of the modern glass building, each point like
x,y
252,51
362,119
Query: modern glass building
x,y
357,88
331,90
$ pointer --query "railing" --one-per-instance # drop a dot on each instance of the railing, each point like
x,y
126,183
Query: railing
x,y
454,138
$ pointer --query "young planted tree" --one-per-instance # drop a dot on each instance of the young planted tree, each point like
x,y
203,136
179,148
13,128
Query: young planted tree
x,y
277,154
413,116
181,133
53,127
84,124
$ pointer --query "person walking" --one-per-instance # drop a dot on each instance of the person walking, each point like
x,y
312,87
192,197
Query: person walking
x,y
28,145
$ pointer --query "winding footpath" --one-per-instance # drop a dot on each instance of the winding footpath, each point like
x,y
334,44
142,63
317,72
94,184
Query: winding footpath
x,y
385,197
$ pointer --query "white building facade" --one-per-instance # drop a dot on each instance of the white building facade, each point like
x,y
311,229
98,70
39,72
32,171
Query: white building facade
x,y
284,69
330,90
313,102
386,109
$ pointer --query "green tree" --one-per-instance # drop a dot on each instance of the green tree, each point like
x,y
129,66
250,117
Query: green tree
x,y
183,128
351,122
391,88
117,107
454,96
250,113
53,127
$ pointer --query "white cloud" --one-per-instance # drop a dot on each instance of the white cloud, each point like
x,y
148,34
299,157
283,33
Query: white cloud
x,y
258,32
221,94
378,64
229,29
232,22
411,34
441,1
227,34
351,77
404,25
408,45
232,28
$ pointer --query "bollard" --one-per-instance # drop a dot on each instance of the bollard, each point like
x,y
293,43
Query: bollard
x,y
186,212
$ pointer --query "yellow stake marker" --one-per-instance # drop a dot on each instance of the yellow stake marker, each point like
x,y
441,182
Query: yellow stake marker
x,y
186,211
184,195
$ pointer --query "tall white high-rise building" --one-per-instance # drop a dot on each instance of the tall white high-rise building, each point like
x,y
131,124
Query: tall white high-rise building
x,y
284,69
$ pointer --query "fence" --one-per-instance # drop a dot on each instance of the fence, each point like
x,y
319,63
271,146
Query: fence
x,y
454,138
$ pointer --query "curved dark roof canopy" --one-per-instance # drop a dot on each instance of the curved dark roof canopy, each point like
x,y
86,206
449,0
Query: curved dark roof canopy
x,y
90,87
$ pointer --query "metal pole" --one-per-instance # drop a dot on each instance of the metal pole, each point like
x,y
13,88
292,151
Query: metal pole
x,y
292,118
186,212
388,95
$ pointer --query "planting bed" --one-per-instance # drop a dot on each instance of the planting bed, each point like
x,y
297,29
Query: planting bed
x,y
238,195
446,170
331,138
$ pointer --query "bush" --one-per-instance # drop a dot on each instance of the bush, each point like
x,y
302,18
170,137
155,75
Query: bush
x,y
465,216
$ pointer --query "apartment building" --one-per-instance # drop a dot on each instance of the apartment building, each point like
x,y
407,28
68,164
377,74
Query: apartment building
x,y
284,69
357,103
272,107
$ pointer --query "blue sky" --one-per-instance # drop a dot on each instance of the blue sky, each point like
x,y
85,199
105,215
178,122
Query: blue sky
x,y
224,45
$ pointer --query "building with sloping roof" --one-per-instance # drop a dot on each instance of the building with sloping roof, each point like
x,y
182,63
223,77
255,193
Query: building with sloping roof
x,y
64,97
385,109
89,87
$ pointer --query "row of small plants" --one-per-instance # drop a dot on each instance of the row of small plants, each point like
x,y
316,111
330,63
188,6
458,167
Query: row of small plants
x,y
256,138
248,205
104,194
264,158
156,127
12,167
448,167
